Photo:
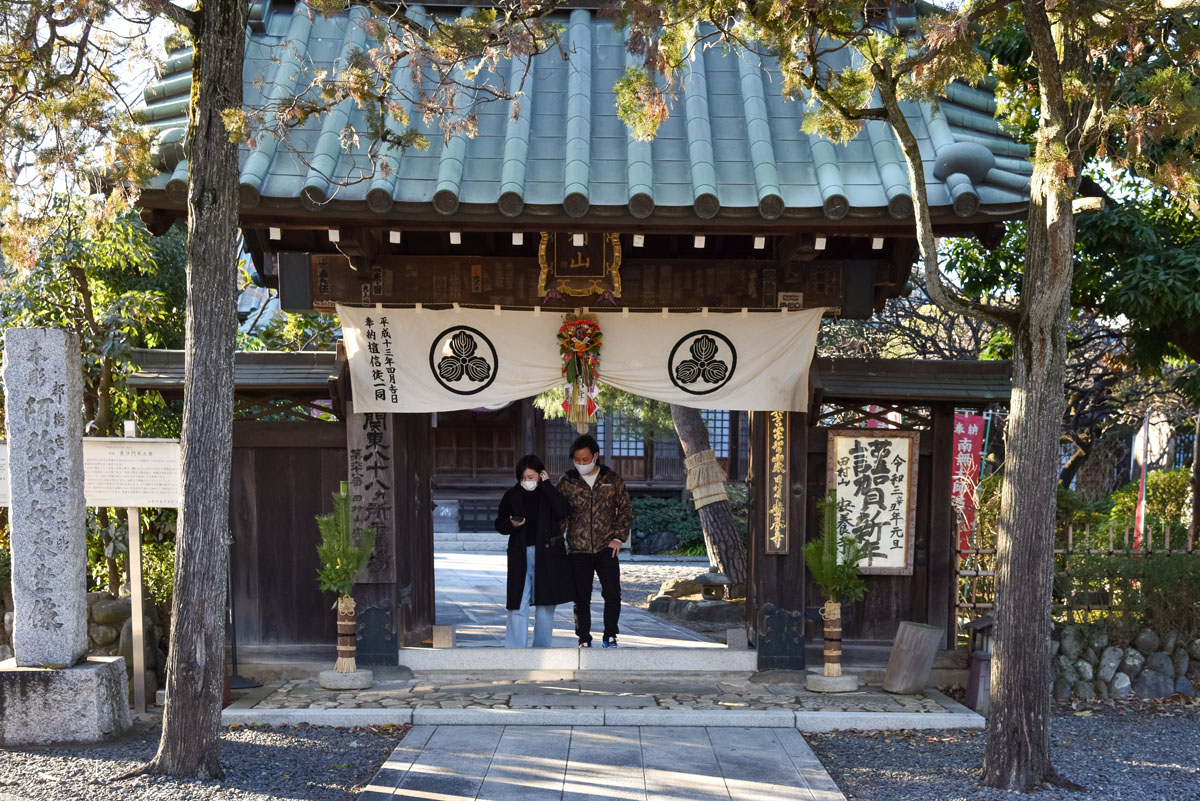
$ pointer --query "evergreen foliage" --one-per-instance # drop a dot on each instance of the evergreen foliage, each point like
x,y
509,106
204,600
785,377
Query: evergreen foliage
x,y
340,558
836,573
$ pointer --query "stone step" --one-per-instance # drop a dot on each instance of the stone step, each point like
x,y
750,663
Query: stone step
x,y
625,660
469,536
469,547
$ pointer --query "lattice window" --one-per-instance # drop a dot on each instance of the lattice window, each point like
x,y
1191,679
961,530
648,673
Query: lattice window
x,y
717,421
627,437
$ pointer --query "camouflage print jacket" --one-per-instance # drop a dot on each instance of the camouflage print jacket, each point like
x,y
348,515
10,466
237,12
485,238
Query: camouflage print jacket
x,y
599,513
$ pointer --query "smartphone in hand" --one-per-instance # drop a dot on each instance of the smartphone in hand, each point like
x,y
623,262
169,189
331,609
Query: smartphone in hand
x,y
517,521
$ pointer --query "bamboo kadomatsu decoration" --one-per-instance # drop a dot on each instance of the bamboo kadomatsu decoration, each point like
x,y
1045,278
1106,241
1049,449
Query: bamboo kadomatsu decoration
x,y
834,566
341,559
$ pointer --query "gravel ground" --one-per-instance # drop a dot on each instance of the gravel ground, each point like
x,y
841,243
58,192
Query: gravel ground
x,y
305,763
1133,752
640,580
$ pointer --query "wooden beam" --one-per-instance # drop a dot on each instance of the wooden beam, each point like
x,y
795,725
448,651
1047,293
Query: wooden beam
x,y
676,283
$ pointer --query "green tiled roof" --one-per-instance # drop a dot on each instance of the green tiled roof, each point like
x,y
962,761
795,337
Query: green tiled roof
x,y
732,148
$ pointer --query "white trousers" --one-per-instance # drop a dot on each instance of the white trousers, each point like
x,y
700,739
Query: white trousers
x,y
516,632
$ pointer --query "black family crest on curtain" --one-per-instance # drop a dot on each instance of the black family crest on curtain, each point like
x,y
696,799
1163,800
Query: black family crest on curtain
x,y
702,362
463,360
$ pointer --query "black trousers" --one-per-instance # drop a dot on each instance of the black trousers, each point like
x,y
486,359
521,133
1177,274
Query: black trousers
x,y
606,566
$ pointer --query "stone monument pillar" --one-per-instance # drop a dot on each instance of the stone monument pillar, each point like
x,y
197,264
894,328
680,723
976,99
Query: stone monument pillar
x,y
46,694
43,389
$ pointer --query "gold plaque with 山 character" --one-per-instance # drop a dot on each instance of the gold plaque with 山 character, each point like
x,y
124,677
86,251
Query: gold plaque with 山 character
x,y
593,268
778,482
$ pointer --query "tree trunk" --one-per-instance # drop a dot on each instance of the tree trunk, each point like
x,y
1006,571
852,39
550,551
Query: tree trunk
x,y
196,661
1071,468
725,546
1017,756
1194,528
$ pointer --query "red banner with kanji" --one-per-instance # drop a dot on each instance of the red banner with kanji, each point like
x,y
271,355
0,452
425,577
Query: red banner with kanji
x,y
968,446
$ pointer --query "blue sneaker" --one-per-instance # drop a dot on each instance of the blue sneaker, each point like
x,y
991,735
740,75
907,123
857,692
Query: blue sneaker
x,y
610,642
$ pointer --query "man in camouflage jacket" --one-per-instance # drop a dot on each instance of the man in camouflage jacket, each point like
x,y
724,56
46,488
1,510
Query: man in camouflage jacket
x,y
601,514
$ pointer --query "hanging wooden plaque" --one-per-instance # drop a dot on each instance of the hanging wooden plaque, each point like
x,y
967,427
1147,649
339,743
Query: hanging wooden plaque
x,y
593,268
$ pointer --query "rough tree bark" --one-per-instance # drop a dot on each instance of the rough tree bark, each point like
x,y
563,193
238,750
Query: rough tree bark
x,y
1194,529
1017,756
196,662
725,546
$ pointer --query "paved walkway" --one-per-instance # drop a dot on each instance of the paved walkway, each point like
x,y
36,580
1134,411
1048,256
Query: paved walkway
x,y
662,763
712,700
470,593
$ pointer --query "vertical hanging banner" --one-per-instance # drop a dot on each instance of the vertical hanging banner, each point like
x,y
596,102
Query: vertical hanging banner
x,y
875,474
422,360
968,449
778,481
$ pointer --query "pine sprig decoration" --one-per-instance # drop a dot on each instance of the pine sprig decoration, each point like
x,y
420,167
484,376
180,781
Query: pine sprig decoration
x,y
340,558
839,579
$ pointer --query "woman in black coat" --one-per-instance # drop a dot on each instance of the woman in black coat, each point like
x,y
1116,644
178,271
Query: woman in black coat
x,y
533,516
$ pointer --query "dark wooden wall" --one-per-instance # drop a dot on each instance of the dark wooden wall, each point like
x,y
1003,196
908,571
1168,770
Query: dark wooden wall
x,y
283,474
927,596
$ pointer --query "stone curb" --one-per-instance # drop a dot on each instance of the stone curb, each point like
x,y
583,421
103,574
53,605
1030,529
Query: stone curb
x,y
717,718
715,659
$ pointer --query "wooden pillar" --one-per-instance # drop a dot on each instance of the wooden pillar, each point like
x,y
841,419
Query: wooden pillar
x,y
777,575
414,528
942,538
528,424
371,454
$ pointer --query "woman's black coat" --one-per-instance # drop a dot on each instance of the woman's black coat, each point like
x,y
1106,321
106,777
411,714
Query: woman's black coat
x,y
552,582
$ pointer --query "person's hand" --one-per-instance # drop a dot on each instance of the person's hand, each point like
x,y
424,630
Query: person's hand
x,y
544,476
615,544
517,521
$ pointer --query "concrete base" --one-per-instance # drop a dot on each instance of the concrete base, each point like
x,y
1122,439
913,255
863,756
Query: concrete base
x,y
81,704
816,683
358,680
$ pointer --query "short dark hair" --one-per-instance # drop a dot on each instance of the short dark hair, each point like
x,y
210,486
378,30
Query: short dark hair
x,y
585,441
529,462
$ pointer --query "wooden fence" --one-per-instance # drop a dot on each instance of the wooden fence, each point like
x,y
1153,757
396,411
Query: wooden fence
x,y
1075,593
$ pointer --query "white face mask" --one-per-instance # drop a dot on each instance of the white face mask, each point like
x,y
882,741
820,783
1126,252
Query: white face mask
x,y
529,486
586,469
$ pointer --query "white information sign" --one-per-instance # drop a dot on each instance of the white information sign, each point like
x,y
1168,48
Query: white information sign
x,y
875,474
130,472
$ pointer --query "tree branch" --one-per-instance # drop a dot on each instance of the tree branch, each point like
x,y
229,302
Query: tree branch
x,y
934,285
177,14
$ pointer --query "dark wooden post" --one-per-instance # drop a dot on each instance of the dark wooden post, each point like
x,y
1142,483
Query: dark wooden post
x,y
371,453
943,539
414,528
778,579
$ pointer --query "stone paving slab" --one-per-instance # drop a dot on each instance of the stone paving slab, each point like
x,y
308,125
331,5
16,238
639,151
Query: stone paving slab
x,y
725,703
579,763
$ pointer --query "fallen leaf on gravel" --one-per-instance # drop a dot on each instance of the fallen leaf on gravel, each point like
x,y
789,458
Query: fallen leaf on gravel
x,y
1084,714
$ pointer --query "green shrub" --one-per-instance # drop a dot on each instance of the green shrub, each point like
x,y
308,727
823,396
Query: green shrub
x,y
340,559
1168,503
653,515
158,570
836,574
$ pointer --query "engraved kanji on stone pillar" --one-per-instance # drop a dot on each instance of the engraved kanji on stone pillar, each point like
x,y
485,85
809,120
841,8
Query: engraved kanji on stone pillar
x,y
43,394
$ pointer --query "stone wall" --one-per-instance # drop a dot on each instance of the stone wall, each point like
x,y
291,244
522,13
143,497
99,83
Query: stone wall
x,y
110,633
1155,665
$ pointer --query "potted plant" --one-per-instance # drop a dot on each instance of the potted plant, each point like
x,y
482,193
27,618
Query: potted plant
x,y
340,560
834,567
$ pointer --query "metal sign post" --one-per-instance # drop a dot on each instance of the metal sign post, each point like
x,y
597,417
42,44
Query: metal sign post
x,y
136,594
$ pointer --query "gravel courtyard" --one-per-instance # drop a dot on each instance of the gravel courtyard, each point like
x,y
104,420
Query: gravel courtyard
x,y
303,763
1134,752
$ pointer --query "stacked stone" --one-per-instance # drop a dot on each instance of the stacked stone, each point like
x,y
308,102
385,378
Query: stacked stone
x,y
1154,665
110,633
